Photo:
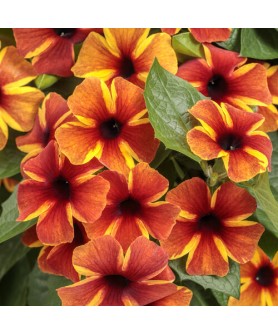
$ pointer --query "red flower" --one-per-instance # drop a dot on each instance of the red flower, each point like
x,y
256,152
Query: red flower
x,y
209,35
52,50
139,277
211,228
223,76
259,279
58,191
131,209
112,125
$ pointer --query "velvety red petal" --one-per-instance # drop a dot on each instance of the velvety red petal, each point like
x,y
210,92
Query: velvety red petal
x,y
144,260
42,260
210,35
231,202
181,297
30,239
166,275
55,225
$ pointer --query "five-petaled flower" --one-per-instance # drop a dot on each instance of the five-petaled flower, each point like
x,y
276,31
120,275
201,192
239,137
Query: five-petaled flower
x,y
259,279
212,228
230,133
224,77
128,53
112,125
57,191
141,276
132,208
18,103
52,50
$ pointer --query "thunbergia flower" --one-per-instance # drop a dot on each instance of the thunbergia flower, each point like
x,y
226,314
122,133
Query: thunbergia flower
x,y
272,80
18,103
132,208
52,50
128,53
223,76
141,276
230,133
209,35
112,125
51,115
57,191
259,279
211,228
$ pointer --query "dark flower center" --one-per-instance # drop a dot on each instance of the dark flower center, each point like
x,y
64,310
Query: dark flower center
x,y
46,137
129,206
117,281
217,87
79,233
230,142
265,276
64,32
127,68
110,129
209,223
62,188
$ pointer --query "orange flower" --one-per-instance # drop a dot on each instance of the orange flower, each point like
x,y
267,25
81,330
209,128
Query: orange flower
x,y
212,228
112,125
230,134
58,191
9,183
171,31
14,98
131,211
224,77
52,49
209,35
259,279
128,53
140,277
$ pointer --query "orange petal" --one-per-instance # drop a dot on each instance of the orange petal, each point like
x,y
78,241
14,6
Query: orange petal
x,y
181,297
231,202
3,133
30,239
270,114
272,81
250,295
171,31
118,187
210,35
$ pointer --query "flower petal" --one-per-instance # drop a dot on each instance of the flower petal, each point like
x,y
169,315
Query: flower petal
x,y
250,295
100,256
55,225
144,259
270,114
241,239
272,79
118,187
210,35
231,202
3,133
181,297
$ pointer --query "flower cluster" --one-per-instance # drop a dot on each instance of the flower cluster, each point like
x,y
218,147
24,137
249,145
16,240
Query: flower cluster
x,y
107,215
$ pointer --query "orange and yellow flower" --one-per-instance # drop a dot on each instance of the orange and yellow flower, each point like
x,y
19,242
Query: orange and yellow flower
x,y
51,115
112,125
128,53
230,133
18,103
52,50
259,279
57,191
132,207
209,35
211,228
223,76
9,183
141,276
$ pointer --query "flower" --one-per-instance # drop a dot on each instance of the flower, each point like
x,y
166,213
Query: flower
x,y
212,228
259,279
14,98
52,50
139,277
272,80
224,77
171,31
112,125
230,134
58,191
131,211
209,35
51,115
9,183
128,53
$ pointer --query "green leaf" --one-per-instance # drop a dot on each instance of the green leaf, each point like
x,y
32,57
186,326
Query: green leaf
x,y
186,44
273,175
168,99
42,288
265,202
11,251
10,158
268,242
259,43
233,43
229,284
9,227
44,81
221,298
